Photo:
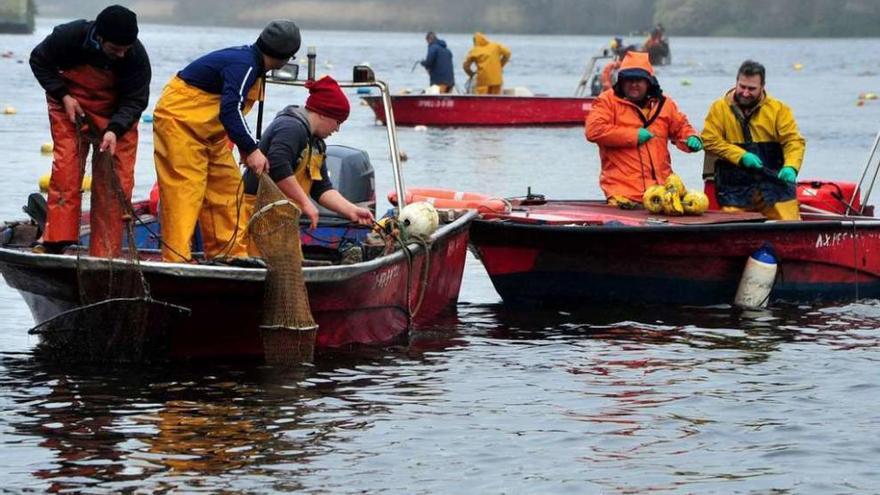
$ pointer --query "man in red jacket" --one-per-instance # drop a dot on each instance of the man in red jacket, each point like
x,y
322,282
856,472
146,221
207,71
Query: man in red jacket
x,y
632,124
96,71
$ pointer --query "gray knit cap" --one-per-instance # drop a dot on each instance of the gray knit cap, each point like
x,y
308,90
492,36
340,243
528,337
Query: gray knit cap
x,y
279,39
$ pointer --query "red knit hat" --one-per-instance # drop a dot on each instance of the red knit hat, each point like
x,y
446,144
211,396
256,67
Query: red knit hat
x,y
326,98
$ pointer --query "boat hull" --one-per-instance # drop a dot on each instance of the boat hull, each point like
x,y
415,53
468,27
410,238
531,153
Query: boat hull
x,y
678,264
366,303
481,110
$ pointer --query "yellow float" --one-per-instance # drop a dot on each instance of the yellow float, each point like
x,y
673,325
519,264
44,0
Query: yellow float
x,y
44,179
695,202
652,200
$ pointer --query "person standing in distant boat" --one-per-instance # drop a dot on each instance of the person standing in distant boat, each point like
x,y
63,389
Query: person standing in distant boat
x,y
754,145
95,70
632,125
438,62
490,58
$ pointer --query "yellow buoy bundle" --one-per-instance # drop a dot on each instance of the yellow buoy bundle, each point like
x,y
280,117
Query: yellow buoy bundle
x,y
674,199
695,202
653,198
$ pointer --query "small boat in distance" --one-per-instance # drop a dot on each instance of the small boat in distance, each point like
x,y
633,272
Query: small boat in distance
x,y
484,110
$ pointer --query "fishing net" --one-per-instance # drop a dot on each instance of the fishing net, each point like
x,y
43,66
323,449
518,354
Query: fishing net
x,y
288,329
116,320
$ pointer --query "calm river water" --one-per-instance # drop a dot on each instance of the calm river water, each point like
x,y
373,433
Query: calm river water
x,y
495,399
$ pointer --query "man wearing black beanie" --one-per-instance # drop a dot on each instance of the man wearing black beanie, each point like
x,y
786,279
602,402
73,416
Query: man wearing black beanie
x,y
202,109
99,71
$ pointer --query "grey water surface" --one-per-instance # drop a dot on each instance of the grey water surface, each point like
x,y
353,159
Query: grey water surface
x,y
493,399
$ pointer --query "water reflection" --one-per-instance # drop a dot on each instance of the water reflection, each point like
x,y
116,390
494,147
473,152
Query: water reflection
x,y
633,388
707,327
213,427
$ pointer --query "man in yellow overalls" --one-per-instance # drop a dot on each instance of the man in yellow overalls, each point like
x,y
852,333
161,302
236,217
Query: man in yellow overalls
x,y
294,144
200,111
490,58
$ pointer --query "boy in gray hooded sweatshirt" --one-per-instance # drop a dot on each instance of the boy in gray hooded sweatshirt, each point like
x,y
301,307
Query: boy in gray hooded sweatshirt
x,y
294,145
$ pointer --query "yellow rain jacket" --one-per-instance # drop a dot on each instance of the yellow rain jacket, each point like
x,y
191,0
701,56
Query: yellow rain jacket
x,y
770,131
490,58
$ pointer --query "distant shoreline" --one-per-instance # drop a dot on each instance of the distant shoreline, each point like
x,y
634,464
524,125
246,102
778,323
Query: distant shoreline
x,y
706,18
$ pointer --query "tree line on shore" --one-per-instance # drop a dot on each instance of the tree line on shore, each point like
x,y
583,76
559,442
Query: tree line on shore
x,y
747,18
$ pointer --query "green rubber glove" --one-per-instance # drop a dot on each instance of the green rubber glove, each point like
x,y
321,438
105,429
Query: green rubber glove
x,y
694,143
751,160
644,135
788,174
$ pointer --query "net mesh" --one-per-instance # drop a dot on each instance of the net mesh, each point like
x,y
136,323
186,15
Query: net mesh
x,y
288,329
116,319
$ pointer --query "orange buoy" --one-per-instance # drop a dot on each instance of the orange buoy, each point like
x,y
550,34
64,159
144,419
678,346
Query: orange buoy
x,y
447,198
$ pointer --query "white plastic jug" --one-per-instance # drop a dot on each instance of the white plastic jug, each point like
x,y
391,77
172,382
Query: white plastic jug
x,y
757,279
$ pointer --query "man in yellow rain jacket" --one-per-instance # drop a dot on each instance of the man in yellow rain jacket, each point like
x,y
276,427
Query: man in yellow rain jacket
x,y
756,148
200,111
490,58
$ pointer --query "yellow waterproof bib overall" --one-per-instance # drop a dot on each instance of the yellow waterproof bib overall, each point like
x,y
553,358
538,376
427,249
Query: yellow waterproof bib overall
x,y
198,176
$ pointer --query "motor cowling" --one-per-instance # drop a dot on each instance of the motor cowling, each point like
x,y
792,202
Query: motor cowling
x,y
353,176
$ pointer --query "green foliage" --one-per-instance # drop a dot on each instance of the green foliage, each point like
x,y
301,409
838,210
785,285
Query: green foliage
x,y
784,18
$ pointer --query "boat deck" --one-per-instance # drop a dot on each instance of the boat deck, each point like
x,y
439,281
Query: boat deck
x,y
582,212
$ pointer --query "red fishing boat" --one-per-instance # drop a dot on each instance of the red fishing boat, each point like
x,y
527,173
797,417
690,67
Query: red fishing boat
x,y
575,252
368,302
484,110
375,297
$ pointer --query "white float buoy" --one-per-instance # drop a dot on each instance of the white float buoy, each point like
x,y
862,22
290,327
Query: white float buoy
x,y
419,219
757,279
420,128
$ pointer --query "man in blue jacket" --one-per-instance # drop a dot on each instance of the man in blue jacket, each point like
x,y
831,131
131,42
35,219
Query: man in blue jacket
x,y
439,63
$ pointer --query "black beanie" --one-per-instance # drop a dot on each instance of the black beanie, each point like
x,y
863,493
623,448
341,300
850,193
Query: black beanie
x,y
117,24
280,39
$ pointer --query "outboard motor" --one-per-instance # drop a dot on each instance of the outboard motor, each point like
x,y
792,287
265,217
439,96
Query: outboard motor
x,y
352,175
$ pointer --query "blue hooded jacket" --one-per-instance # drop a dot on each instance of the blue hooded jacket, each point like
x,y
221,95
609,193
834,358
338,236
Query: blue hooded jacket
x,y
439,63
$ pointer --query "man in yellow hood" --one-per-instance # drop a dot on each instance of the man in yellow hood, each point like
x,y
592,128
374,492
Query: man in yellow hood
x,y
490,58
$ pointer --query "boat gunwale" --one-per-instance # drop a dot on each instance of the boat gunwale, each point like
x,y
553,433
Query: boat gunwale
x,y
499,221
377,98
313,274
